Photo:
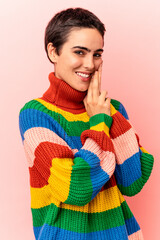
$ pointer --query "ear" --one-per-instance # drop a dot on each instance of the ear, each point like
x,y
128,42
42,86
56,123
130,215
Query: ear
x,y
52,54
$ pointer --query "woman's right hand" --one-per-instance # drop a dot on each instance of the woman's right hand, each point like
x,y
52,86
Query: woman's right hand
x,y
94,101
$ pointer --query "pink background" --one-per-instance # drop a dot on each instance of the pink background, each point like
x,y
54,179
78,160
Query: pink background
x,y
131,74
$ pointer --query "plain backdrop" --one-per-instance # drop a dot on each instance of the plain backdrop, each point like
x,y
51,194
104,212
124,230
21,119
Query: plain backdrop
x,y
131,74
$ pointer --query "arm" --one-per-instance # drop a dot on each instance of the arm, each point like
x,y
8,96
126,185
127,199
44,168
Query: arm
x,y
133,163
73,178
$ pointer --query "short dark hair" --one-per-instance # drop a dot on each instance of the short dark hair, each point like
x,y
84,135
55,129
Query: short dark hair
x,y
59,27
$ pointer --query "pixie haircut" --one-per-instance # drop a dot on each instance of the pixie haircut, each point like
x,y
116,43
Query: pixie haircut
x,y
60,26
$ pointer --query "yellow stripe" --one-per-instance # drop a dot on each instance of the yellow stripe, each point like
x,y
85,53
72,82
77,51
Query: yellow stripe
x,y
41,197
67,115
143,150
70,116
101,127
105,200
59,184
113,110
60,177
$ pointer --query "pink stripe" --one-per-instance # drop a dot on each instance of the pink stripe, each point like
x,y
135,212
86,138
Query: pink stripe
x,y
74,151
35,136
107,159
125,146
136,236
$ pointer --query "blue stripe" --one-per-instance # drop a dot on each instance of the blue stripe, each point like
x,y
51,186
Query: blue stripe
x,y
129,171
30,118
132,225
49,232
123,111
98,176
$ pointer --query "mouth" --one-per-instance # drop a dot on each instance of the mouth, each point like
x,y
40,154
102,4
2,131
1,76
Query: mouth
x,y
84,75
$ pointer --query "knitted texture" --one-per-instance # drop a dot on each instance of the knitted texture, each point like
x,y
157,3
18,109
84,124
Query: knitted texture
x,y
81,167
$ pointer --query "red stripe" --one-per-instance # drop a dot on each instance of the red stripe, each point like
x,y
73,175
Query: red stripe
x,y
44,153
100,138
110,183
119,125
71,110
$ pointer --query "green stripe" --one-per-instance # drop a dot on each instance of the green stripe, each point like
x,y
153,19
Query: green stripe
x,y
77,126
101,117
115,104
146,168
77,189
34,104
127,214
77,221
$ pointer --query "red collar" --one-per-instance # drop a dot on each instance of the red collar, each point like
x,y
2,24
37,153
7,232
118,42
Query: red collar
x,y
63,95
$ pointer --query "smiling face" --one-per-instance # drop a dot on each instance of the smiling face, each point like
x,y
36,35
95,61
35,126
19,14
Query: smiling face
x,y
79,58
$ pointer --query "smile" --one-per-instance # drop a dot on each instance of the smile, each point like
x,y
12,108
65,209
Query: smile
x,y
83,74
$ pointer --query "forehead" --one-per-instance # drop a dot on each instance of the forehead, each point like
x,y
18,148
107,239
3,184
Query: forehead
x,y
86,37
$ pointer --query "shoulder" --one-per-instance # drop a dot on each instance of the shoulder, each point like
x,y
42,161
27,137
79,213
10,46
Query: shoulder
x,y
33,114
119,107
30,105
30,111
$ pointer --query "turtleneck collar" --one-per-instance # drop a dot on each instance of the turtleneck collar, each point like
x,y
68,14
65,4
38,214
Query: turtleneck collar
x,y
63,95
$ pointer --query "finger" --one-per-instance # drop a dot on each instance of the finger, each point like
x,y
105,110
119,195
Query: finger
x,y
102,97
108,102
95,90
89,92
100,77
108,99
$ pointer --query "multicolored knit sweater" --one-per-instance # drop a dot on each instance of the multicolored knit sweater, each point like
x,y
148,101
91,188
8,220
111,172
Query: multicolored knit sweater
x,y
81,167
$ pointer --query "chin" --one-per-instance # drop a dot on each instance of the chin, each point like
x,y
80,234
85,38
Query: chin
x,y
82,89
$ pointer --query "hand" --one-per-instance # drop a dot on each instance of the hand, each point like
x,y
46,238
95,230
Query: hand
x,y
95,101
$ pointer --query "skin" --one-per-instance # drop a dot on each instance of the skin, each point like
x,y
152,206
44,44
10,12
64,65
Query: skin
x,y
94,101
82,53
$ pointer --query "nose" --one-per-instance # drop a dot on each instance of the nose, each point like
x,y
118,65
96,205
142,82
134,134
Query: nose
x,y
89,62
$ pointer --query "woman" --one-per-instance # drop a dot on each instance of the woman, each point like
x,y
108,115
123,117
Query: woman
x,y
82,151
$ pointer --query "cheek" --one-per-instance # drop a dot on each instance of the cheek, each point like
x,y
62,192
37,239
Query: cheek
x,y
69,64
75,62
97,64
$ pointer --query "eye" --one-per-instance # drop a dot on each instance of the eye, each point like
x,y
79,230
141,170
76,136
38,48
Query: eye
x,y
97,55
79,52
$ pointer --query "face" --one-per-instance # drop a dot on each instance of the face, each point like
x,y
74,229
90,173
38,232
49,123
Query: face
x,y
79,58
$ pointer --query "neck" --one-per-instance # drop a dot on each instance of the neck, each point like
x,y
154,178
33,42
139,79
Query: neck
x,y
63,95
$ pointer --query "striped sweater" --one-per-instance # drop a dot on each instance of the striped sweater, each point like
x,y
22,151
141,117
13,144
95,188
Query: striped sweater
x,y
81,167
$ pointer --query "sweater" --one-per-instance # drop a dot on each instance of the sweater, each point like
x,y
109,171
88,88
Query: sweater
x,y
81,167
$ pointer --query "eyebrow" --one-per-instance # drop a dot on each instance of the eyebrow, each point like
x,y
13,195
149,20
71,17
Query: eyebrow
x,y
87,49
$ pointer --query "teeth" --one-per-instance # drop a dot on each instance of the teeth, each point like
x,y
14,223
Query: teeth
x,y
83,75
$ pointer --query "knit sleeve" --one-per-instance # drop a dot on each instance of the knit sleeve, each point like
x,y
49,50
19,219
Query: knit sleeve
x,y
133,163
56,171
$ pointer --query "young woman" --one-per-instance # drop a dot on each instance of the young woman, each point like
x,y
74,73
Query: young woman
x,y
83,153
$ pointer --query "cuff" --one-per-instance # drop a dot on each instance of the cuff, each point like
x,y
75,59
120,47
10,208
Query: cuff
x,y
101,122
